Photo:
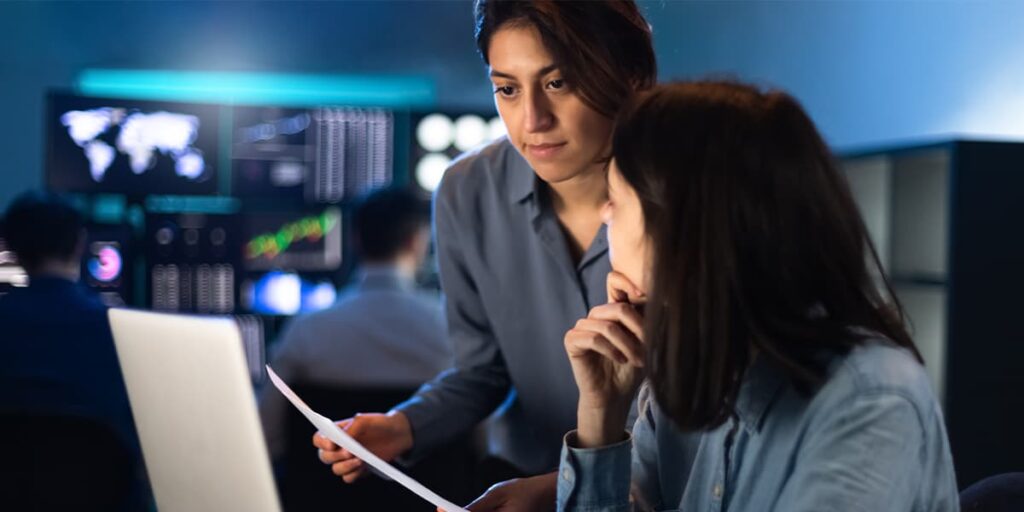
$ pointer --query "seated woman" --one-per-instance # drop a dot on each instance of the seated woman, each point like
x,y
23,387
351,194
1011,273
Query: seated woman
x,y
779,375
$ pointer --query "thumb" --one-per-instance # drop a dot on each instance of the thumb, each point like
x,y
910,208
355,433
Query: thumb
x,y
491,500
354,426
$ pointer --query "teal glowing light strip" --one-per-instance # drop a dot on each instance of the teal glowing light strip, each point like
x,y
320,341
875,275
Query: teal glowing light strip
x,y
260,88
193,204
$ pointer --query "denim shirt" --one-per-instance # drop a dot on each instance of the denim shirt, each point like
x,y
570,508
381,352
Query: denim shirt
x,y
871,439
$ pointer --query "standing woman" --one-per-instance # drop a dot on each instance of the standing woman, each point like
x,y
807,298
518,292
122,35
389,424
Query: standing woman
x,y
520,241
780,377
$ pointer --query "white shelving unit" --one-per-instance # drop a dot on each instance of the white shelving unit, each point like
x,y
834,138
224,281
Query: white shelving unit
x,y
946,220
904,199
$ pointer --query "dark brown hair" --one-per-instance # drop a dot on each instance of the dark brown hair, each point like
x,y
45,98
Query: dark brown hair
x,y
386,220
756,244
602,48
41,226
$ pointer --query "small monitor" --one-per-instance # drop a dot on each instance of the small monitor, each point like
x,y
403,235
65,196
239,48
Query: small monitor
x,y
107,263
438,137
192,262
11,274
287,293
294,241
137,148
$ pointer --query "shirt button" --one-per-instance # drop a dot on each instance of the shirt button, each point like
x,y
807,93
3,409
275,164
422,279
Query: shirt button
x,y
566,474
717,490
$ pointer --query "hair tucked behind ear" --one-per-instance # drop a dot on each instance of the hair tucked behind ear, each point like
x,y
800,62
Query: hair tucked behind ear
x,y
757,244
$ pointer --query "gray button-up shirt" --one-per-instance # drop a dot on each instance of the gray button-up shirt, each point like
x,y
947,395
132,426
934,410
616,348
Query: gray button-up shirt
x,y
871,439
512,291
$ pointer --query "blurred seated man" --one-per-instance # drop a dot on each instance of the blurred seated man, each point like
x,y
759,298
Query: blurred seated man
x,y
57,354
380,333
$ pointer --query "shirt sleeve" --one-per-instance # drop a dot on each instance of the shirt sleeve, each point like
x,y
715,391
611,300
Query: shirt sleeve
x,y
594,479
866,455
623,476
453,403
646,489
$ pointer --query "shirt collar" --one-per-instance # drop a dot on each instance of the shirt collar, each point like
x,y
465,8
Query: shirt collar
x,y
522,181
761,383
597,248
383,276
50,281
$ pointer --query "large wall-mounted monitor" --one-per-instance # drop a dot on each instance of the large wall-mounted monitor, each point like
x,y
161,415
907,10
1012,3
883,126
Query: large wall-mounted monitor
x,y
136,148
272,154
323,155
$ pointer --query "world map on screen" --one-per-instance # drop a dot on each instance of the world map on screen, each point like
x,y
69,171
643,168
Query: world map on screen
x,y
140,137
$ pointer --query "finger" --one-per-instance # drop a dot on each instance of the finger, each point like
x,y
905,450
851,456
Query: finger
x,y
323,443
331,457
346,467
623,313
490,500
579,342
352,426
621,289
326,444
352,477
617,295
617,335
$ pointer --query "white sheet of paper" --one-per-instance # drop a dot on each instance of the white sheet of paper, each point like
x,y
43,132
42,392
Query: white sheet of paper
x,y
331,431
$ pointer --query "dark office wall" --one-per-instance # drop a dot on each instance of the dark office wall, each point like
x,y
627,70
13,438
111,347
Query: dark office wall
x,y
868,72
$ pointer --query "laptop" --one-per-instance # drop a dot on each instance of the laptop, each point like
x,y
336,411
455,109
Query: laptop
x,y
195,412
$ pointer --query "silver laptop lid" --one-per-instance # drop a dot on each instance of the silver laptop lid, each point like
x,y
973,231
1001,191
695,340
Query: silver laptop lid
x,y
195,412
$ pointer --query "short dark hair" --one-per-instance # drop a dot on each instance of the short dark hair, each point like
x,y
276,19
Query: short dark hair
x,y
756,244
603,48
386,220
39,226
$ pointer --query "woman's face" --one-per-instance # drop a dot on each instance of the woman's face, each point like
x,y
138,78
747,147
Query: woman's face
x,y
627,241
558,134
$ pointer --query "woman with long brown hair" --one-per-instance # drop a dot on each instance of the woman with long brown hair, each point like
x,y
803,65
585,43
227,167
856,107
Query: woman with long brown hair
x,y
779,374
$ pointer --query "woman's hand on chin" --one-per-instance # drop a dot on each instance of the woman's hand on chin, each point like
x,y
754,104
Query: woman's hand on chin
x,y
607,355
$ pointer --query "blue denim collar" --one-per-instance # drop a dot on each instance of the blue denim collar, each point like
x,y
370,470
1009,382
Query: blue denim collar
x,y
762,382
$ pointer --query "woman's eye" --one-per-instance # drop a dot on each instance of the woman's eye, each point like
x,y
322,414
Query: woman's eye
x,y
504,90
556,84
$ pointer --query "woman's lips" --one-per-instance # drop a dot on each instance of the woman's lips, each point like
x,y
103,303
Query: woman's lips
x,y
544,151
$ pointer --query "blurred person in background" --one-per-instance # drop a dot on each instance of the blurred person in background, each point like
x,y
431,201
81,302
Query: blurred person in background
x,y
381,332
57,355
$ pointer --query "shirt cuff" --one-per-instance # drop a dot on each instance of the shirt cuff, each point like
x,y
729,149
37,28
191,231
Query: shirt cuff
x,y
592,479
421,417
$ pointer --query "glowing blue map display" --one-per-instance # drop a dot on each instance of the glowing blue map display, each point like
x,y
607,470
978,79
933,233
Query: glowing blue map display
x,y
131,147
